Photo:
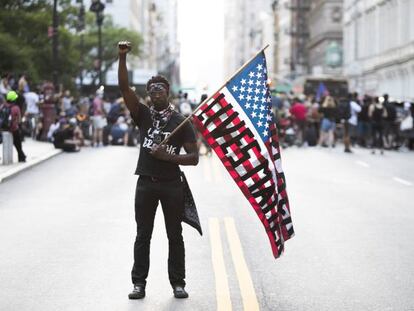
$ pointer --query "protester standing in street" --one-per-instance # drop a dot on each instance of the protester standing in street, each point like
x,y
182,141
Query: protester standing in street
x,y
11,111
159,175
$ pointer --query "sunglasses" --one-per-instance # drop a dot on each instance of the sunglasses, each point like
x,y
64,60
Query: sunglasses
x,y
157,88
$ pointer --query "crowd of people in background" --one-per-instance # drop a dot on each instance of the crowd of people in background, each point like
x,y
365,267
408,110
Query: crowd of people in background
x,y
379,123
97,120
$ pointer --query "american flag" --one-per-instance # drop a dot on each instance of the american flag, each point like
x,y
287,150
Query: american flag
x,y
238,124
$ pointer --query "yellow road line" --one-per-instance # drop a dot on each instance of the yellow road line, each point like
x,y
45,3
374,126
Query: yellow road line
x,y
243,275
222,287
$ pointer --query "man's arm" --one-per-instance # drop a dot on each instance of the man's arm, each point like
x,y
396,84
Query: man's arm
x,y
130,98
190,158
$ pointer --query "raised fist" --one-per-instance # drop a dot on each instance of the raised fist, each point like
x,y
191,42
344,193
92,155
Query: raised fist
x,y
124,47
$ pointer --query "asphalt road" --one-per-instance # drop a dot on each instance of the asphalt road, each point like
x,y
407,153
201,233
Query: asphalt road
x,y
67,231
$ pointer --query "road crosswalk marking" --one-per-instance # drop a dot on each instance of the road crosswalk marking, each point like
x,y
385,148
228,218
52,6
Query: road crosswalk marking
x,y
222,287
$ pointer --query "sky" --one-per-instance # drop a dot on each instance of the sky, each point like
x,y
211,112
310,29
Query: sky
x,y
201,37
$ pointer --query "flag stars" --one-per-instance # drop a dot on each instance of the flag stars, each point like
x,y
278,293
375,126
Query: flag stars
x,y
247,106
259,75
242,89
269,117
248,97
254,114
258,82
250,82
260,124
262,108
256,99
261,115
235,88
263,100
251,74
255,107
243,81
257,91
249,90
241,96
259,67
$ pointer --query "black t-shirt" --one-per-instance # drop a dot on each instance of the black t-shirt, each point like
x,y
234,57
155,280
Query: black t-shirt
x,y
147,164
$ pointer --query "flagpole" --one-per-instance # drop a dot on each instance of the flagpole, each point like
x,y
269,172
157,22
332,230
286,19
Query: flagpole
x,y
211,96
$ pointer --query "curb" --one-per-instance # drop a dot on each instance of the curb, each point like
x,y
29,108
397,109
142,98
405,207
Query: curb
x,y
17,170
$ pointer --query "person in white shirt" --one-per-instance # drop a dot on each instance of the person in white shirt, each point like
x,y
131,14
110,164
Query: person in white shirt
x,y
32,112
353,120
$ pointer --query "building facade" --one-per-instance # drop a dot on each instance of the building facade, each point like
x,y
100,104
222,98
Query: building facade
x,y
379,47
156,21
291,24
325,41
247,29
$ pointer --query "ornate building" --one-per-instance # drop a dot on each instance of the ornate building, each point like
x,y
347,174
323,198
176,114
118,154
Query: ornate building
x,y
379,47
325,42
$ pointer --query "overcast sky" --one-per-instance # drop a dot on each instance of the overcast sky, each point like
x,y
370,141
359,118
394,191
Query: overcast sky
x,y
200,32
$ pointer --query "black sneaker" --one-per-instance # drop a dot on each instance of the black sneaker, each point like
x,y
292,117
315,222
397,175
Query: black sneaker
x,y
179,292
138,292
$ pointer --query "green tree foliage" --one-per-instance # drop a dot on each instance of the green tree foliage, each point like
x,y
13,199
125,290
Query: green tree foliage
x,y
26,47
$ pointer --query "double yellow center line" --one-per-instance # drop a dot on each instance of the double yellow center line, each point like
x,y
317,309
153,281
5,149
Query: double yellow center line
x,y
248,294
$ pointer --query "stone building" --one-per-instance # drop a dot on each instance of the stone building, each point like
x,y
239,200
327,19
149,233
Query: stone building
x,y
325,42
379,47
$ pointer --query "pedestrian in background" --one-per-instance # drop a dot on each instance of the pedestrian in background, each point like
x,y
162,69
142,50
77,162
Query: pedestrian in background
x,y
32,111
328,111
98,119
377,114
390,123
364,128
298,112
344,113
353,120
11,118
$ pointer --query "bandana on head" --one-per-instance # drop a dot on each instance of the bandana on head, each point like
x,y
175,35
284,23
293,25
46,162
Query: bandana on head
x,y
160,118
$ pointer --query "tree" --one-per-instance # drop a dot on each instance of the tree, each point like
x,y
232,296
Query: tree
x,y
110,37
26,47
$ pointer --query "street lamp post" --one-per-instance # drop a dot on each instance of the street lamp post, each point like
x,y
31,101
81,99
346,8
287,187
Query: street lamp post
x,y
98,7
55,43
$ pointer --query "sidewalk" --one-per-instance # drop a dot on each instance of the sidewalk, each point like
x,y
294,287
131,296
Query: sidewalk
x,y
36,153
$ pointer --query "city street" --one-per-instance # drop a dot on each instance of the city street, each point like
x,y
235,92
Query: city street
x,y
67,231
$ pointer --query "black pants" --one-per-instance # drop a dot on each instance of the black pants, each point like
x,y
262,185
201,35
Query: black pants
x,y
147,195
17,141
377,136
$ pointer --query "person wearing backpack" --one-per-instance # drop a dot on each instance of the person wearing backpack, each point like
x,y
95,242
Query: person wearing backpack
x,y
10,117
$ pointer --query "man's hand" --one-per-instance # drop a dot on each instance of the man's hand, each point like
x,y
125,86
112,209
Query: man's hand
x,y
124,47
160,153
